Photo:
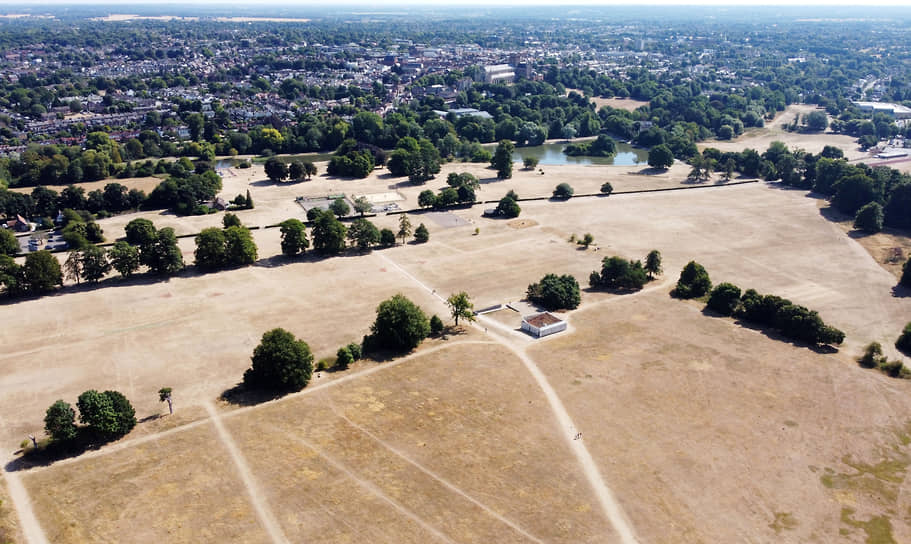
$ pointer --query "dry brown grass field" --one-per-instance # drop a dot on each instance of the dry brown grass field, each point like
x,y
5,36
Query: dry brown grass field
x,y
703,429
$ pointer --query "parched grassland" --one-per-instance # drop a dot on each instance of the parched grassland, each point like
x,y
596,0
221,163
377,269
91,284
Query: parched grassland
x,y
709,431
180,489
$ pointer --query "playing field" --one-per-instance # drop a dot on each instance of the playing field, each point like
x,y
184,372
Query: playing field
x,y
693,428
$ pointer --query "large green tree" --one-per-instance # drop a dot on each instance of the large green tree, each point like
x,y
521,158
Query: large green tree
x,y
41,271
502,159
694,281
124,258
661,157
163,256
60,421
294,237
328,234
363,234
9,244
281,363
240,249
400,325
108,415
210,249
555,292
94,263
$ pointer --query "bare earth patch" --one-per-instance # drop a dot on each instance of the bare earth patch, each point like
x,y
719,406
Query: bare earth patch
x,y
522,223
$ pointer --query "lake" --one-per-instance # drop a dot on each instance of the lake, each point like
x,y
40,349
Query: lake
x,y
550,154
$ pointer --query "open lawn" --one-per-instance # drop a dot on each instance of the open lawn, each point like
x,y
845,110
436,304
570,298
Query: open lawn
x,y
702,429
712,432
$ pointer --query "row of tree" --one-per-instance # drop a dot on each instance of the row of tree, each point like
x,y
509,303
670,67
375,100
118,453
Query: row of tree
x,y
105,416
791,320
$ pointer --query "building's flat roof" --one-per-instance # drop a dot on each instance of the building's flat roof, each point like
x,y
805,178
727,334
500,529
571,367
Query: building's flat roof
x,y
542,320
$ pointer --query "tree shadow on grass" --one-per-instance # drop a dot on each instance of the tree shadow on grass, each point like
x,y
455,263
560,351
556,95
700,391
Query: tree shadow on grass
x,y
50,452
241,395
773,334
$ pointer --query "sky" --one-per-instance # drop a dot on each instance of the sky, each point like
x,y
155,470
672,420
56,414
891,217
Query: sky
x,y
384,3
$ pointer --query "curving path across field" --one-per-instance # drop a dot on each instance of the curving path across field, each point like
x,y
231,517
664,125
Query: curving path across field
x,y
609,504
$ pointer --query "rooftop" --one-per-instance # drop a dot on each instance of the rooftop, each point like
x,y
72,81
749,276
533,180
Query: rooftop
x,y
542,320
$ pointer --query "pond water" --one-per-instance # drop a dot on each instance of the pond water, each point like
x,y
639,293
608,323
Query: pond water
x,y
550,154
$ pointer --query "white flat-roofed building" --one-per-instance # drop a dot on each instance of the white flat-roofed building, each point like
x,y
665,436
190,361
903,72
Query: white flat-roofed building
x,y
543,324
896,111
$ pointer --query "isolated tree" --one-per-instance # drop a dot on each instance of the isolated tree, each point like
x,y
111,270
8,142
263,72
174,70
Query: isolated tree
x,y
530,162
586,240
60,421
94,263
124,258
294,237
660,157
421,234
405,229
210,249
869,218
231,220
653,263
564,191
694,281
328,234
363,234
281,363
362,205
400,325
724,298
240,249
164,395
607,188
339,207
9,244
508,207
502,159
42,272
460,305
555,292
276,170
248,201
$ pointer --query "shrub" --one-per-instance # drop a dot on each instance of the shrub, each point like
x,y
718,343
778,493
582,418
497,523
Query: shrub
x,y
694,281
421,234
607,188
343,358
564,191
355,350
873,356
724,298
436,325
508,207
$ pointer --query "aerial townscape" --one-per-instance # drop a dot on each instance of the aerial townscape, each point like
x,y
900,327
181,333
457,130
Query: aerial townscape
x,y
473,273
